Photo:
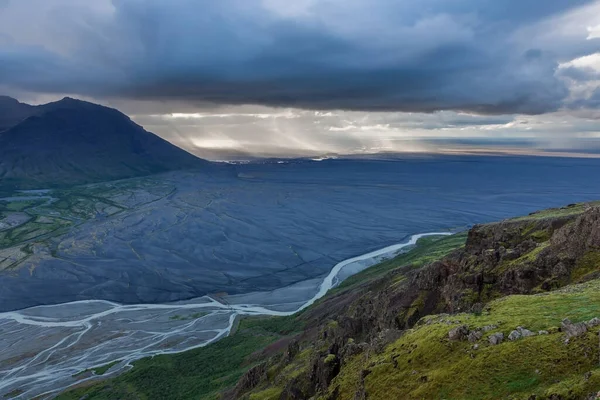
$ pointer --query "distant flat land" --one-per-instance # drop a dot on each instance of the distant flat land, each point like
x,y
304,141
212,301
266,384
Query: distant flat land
x,y
182,235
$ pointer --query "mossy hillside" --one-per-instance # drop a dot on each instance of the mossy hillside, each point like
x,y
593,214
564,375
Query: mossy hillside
x,y
424,363
570,210
427,249
586,266
197,374
498,259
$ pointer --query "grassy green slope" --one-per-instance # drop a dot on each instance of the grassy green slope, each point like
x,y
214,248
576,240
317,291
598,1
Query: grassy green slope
x,y
428,249
425,364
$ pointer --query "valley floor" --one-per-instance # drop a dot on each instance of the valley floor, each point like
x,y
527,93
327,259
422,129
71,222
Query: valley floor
x,y
67,344
413,327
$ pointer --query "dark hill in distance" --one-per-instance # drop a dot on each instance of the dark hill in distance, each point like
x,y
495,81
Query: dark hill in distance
x,y
71,142
12,112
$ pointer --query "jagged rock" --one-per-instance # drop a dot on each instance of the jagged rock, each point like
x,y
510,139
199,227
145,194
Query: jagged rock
x,y
515,335
292,349
572,330
474,336
458,333
488,328
593,322
525,332
475,346
496,338
477,308
593,396
543,333
293,391
324,369
250,379
352,349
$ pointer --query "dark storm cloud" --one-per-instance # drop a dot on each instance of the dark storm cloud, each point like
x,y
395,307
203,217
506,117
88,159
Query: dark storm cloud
x,y
319,54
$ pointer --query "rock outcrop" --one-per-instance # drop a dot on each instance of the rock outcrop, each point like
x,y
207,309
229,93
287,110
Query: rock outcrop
x,y
523,256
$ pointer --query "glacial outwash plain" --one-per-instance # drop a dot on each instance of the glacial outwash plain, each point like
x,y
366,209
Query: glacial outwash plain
x,y
96,277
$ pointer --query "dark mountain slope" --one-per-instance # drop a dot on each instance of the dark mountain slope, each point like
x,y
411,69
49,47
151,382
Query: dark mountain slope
x,y
12,112
74,142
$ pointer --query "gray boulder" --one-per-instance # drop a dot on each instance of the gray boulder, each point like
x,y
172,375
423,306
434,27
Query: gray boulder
x,y
458,333
474,336
488,328
593,322
573,330
496,338
514,335
525,332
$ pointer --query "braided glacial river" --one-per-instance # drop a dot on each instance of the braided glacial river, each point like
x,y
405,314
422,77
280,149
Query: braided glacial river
x,y
46,349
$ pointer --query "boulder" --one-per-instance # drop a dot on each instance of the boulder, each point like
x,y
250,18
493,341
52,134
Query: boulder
x,y
488,328
496,338
474,336
292,349
593,322
514,335
459,333
572,330
525,332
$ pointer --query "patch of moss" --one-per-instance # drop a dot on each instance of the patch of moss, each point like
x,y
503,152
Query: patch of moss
x,y
423,363
572,209
330,358
427,249
332,324
524,259
540,236
267,394
413,312
589,263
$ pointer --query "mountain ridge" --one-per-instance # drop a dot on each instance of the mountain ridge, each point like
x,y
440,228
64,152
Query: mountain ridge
x,y
71,142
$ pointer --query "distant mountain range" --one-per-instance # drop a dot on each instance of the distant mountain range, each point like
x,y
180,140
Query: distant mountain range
x,y
72,142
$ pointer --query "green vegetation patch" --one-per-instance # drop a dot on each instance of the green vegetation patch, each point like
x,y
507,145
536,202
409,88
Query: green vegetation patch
x,y
188,317
425,364
14,393
37,228
524,259
20,205
101,370
572,209
427,249
588,264
196,374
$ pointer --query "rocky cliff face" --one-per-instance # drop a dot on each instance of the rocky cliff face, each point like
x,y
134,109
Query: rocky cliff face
x,y
535,254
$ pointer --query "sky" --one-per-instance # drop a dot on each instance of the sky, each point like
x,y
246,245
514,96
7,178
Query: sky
x,y
231,78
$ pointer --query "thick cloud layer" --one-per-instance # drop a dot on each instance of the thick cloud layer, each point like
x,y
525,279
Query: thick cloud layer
x,y
482,56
